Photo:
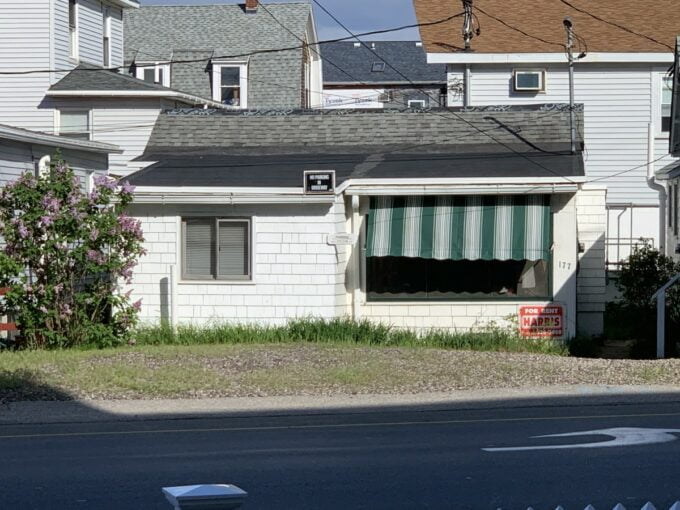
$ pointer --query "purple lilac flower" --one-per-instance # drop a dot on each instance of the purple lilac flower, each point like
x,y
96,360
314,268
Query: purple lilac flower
x,y
101,181
46,221
94,196
128,188
50,203
137,305
94,234
23,232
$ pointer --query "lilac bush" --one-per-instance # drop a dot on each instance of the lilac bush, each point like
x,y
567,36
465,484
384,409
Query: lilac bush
x,y
66,255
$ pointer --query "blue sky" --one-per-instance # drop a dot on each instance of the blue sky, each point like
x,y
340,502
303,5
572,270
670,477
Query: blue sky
x,y
357,15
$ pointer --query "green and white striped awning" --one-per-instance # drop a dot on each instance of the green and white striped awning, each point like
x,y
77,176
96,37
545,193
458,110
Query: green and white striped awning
x,y
460,228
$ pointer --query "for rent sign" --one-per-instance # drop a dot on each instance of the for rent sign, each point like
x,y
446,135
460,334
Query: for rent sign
x,y
541,321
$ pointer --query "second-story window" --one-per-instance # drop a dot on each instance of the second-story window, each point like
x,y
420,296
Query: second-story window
x,y
75,124
230,84
106,42
666,100
73,28
154,73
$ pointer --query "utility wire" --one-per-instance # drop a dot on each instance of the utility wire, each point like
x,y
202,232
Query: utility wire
x,y
620,27
519,30
454,114
246,54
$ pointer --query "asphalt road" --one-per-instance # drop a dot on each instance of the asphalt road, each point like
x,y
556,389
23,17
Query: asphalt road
x,y
382,459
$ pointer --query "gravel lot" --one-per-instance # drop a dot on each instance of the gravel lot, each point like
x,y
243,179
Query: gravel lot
x,y
301,369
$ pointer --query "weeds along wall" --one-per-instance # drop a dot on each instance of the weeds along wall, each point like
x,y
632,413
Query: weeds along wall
x,y
296,273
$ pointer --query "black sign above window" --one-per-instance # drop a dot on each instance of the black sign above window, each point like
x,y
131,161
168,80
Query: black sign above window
x,y
319,181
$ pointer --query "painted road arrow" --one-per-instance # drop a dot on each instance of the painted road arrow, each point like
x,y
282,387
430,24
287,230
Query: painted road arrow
x,y
622,436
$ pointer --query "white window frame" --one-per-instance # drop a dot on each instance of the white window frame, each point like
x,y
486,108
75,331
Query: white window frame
x,y
74,35
59,112
157,66
664,80
216,279
243,81
106,36
657,84
524,90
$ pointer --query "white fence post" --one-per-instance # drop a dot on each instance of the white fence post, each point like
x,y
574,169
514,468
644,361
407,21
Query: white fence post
x,y
660,296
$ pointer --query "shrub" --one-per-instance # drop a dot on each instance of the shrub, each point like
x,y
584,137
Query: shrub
x,y
641,276
65,254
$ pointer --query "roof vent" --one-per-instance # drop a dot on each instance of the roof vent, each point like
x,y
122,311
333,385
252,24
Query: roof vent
x,y
372,45
378,67
419,44
357,45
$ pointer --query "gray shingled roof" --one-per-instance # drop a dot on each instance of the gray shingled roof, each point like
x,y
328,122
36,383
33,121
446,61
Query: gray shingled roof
x,y
16,134
198,33
155,32
407,56
355,131
89,77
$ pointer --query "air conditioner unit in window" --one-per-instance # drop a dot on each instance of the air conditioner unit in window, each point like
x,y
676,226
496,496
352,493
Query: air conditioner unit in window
x,y
528,80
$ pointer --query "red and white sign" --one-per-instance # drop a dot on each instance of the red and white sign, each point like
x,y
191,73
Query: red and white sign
x,y
541,321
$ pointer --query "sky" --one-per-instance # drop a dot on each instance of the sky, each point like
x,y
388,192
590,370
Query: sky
x,y
358,15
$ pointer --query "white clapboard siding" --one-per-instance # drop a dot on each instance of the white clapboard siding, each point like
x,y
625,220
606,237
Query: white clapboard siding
x,y
618,109
116,36
61,45
17,158
24,45
90,31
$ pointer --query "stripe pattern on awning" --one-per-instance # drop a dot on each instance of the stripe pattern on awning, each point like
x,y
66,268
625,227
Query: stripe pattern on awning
x,y
497,227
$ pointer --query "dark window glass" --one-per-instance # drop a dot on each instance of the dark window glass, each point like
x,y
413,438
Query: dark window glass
x,y
231,96
416,278
150,75
230,76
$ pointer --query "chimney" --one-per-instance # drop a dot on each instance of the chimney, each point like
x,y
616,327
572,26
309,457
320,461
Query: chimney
x,y
251,6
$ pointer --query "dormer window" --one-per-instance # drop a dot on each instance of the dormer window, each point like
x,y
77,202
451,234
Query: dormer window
x,y
153,73
378,67
73,28
230,83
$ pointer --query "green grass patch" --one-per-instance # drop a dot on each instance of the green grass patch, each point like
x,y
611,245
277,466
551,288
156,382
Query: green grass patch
x,y
346,331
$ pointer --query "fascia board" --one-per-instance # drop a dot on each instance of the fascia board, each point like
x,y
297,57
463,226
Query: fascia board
x,y
546,58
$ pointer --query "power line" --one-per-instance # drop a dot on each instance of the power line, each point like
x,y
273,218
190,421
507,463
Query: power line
x,y
459,117
246,54
511,27
620,27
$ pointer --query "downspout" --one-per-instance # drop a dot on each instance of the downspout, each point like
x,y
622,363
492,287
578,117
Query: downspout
x,y
661,189
356,259
466,85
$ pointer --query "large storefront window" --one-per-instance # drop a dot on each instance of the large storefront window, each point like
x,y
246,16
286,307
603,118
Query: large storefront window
x,y
438,248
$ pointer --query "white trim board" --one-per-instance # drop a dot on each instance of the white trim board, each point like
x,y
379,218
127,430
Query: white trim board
x,y
546,58
137,93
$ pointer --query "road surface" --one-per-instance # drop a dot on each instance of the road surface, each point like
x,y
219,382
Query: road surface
x,y
382,459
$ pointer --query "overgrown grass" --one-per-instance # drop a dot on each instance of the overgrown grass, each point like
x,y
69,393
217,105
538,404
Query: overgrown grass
x,y
346,331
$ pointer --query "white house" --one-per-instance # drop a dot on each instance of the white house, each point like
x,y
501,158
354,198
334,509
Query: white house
x,y
409,218
65,69
623,50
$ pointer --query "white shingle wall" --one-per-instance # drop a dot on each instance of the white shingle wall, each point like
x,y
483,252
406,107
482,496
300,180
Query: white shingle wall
x,y
591,278
297,274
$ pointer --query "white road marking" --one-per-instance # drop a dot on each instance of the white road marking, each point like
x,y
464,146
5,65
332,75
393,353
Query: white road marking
x,y
622,436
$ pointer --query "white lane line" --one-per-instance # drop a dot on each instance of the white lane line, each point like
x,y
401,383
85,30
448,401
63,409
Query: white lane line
x,y
621,436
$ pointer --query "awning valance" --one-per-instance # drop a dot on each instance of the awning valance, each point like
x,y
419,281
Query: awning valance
x,y
511,227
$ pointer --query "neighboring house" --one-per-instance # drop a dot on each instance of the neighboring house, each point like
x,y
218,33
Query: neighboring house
x,y
22,151
363,75
672,171
622,83
429,225
207,50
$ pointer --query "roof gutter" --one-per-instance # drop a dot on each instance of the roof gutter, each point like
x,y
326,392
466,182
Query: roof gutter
x,y
226,196
20,135
139,93
546,58
125,4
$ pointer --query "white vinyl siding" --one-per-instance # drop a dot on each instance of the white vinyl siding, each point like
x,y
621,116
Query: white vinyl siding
x,y
116,36
90,31
24,45
17,158
618,109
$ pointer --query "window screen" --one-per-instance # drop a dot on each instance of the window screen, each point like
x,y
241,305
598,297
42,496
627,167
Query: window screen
x,y
150,74
75,124
216,249
230,80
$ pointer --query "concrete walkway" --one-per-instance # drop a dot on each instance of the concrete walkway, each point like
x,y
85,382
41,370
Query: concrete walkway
x,y
84,411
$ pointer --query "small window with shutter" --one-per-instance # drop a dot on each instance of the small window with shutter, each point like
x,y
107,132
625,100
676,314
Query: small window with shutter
x,y
216,249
